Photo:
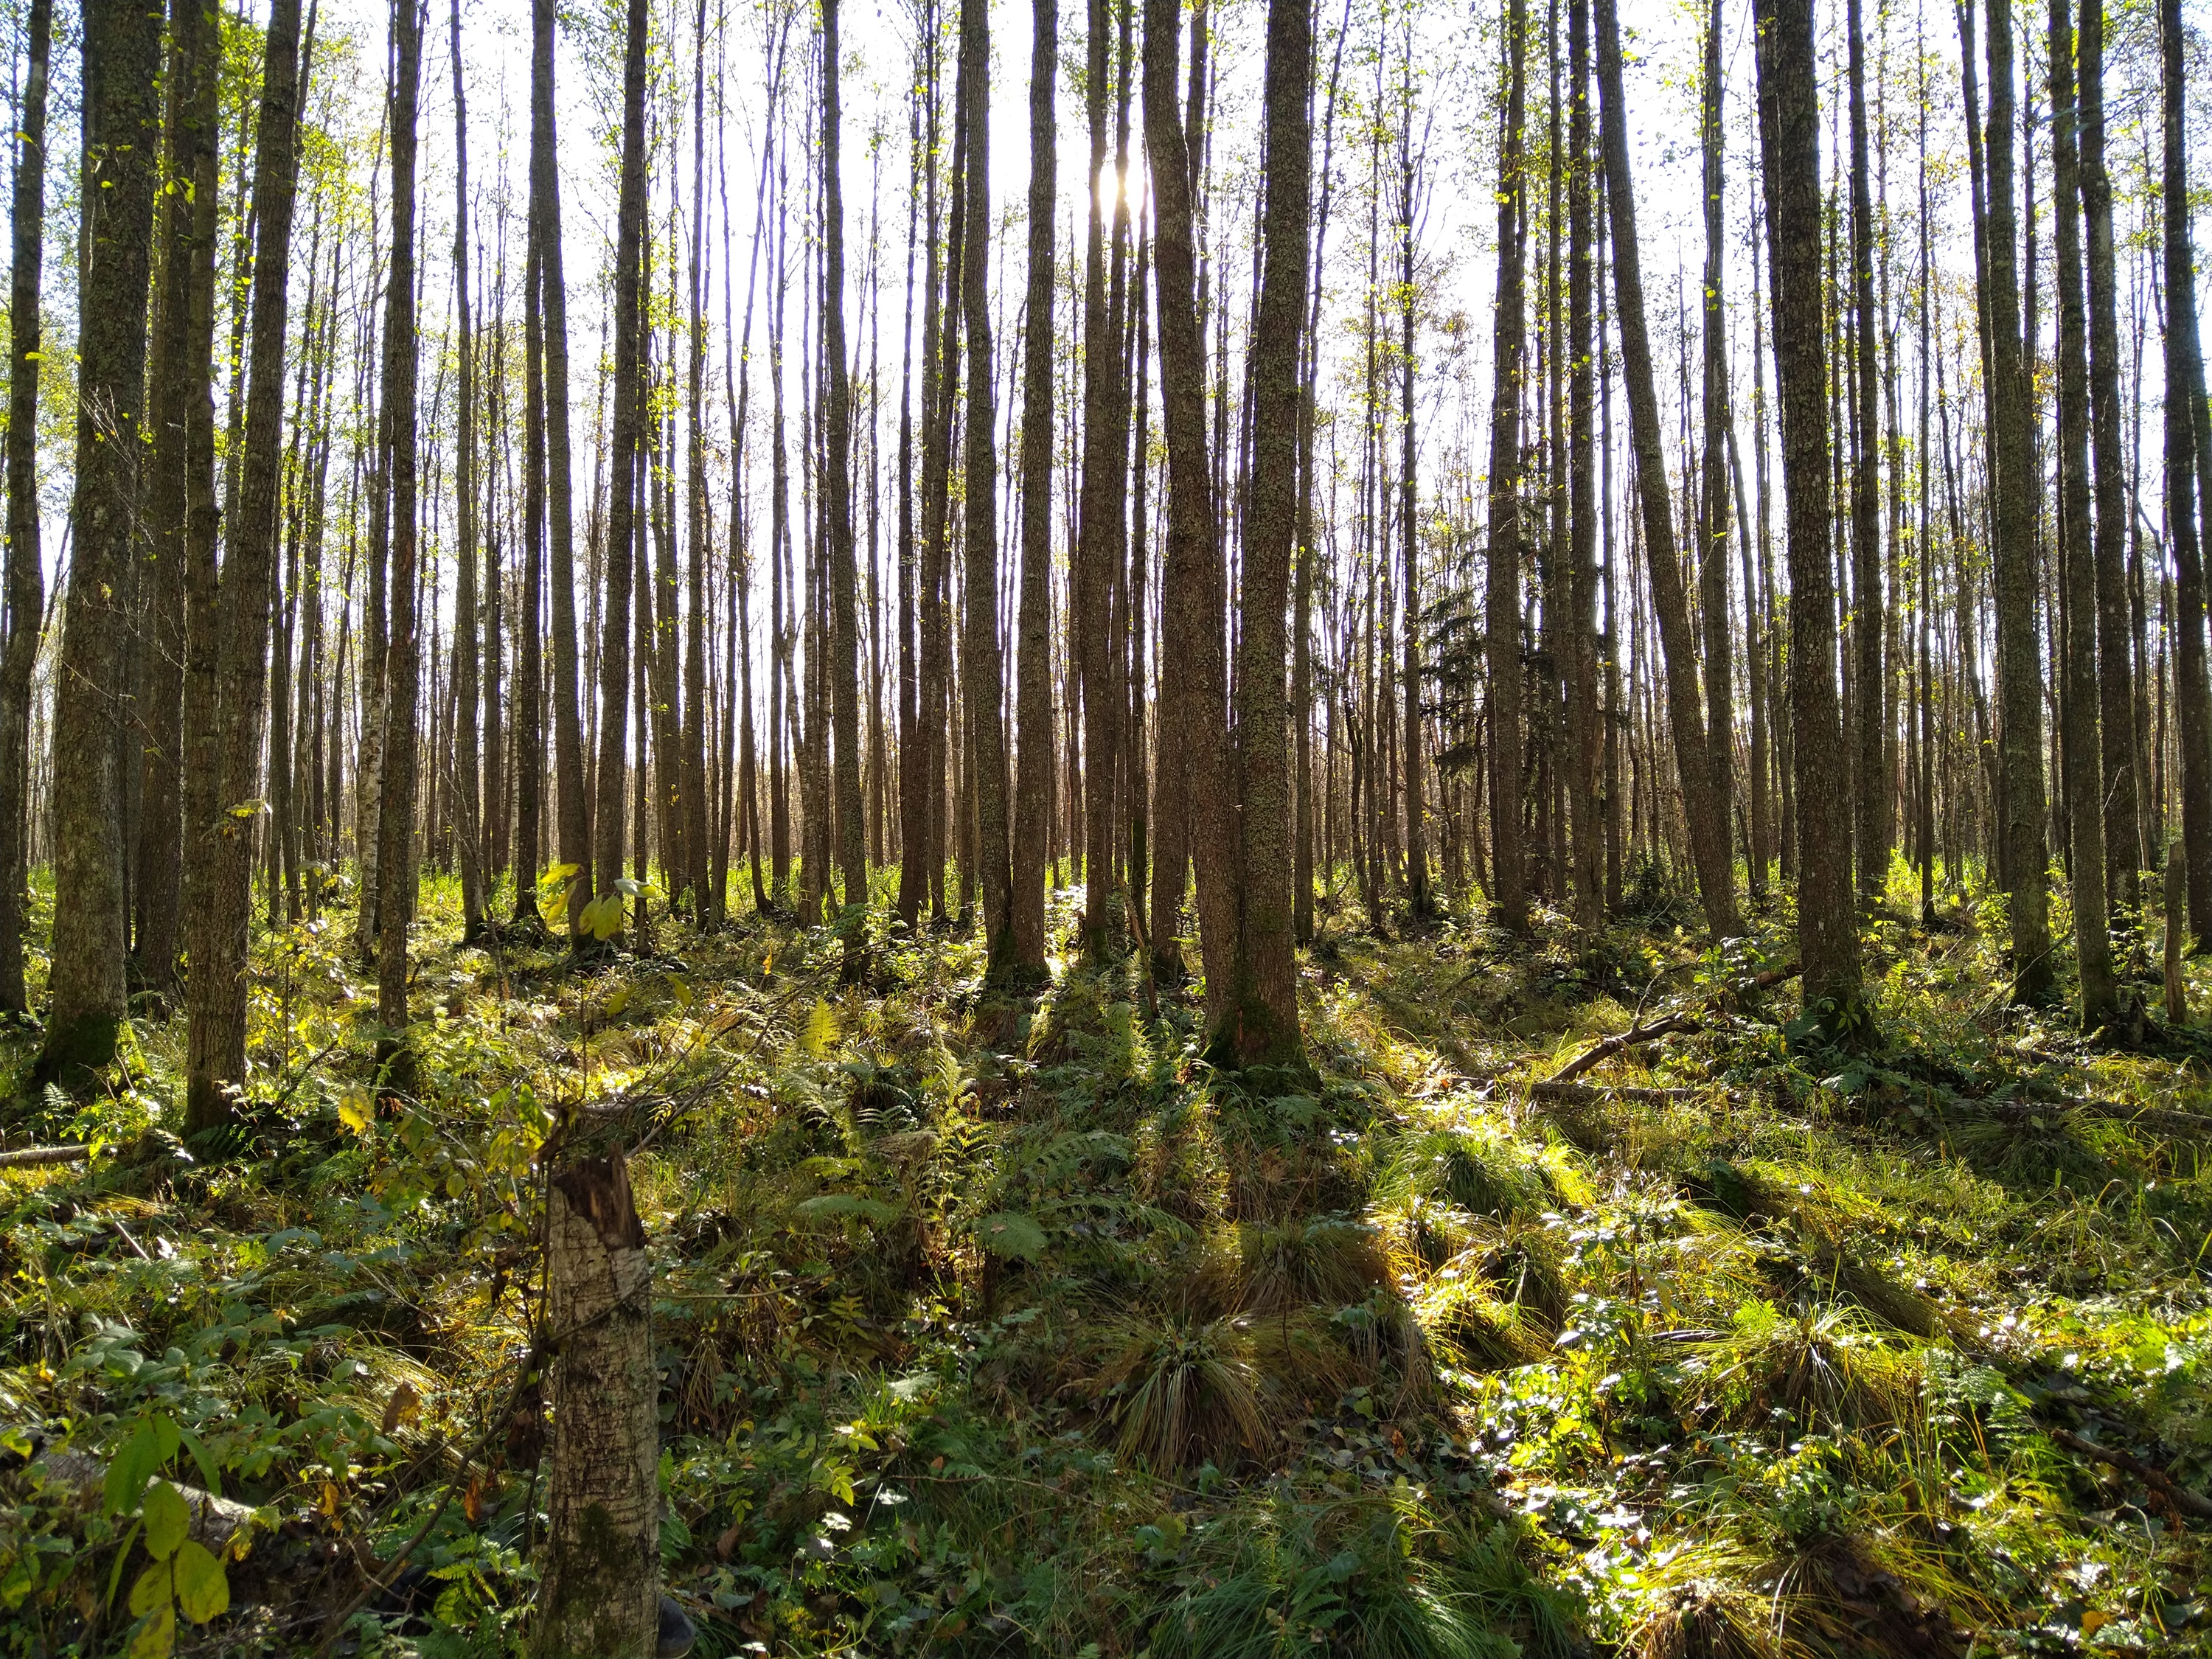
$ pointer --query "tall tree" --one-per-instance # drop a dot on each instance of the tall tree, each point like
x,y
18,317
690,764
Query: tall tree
x,y
1709,841
395,832
216,1035
622,527
1193,700
1256,1021
1790,143
1033,694
1501,583
1871,704
1420,902
2083,743
1585,806
2126,852
467,794
1719,426
2192,694
706,892
572,806
122,131
26,578
181,366
844,583
981,680
2014,491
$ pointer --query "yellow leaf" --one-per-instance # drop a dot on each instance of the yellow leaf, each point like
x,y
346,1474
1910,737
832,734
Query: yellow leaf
x,y
357,1111
150,1589
203,1587
157,1637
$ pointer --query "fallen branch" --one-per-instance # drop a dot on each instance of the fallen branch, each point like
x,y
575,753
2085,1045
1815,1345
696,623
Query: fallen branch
x,y
2150,1475
1606,1047
23,1156
2165,1118
1552,1092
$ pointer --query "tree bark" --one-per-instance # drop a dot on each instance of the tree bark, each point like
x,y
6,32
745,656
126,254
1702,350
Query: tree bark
x,y
1790,134
608,839
2014,492
572,804
122,128
1502,582
2077,561
1709,839
981,669
395,835
26,575
1713,526
467,794
844,583
1033,734
1871,800
216,1027
2126,851
600,1597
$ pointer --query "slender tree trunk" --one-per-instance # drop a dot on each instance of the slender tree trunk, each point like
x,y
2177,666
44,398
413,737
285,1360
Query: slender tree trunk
x,y
530,652
1585,790
614,760
2014,492
467,795
1034,735
26,591
1190,595
572,802
122,130
2126,852
403,649
1709,841
2080,714
1502,589
1420,902
1790,135
178,372
1871,800
1713,472
844,583
981,669
697,875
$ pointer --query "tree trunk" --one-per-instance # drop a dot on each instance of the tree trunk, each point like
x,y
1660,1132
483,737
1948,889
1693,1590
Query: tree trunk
x,y
1502,584
1709,841
1713,470
614,760
1034,735
844,584
2126,850
979,663
395,838
1789,136
122,128
572,803
466,791
599,1597
1195,703
26,591
180,373
697,874
2013,493
1255,1021
1871,799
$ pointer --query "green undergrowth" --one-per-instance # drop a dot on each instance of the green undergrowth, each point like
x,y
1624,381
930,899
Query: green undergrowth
x,y
991,1326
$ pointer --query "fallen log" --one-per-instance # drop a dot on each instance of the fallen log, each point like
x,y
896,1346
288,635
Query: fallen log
x,y
23,1156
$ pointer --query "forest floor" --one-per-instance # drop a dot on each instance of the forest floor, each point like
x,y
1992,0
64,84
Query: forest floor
x,y
1017,1329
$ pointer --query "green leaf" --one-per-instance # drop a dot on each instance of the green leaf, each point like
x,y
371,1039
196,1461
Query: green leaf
x,y
629,885
1010,1233
167,1520
617,1003
202,1588
157,1637
832,1205
139,1461
150,1589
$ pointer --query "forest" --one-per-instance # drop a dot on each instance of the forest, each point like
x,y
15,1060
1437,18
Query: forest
x,y
928,828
